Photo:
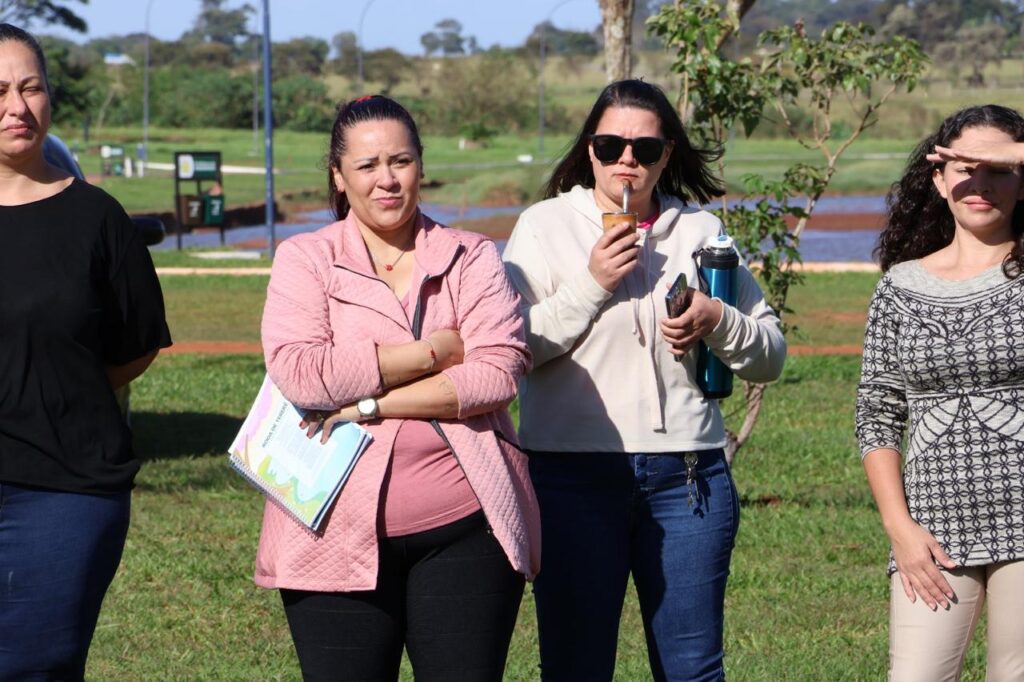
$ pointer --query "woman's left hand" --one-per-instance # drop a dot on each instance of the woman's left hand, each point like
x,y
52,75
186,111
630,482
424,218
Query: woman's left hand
x,y
694,324
316,420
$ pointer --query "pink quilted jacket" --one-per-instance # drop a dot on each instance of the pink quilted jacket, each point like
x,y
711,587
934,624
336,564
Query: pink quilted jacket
x,y
325,315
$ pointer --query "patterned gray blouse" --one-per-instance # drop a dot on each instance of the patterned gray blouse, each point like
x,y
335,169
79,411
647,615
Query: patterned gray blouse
x,y
946,359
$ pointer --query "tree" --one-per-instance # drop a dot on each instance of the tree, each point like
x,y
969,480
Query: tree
x,y
216,24
560,41
617,20
346,51
935,23
846,64
70,68
26,12
445,38
131,44
304,56
975,46
207,56
471,105
163,52
816,14
301,103
431,43
188,97
387,66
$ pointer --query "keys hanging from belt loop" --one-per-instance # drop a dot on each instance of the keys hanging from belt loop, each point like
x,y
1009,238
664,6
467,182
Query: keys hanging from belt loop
x,y
691,477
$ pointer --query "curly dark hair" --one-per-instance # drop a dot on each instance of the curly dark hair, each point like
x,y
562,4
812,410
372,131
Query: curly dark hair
x,y
687,171
919,221
369,108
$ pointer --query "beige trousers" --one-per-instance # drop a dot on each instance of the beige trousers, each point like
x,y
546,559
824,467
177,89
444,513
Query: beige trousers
x,y
929,646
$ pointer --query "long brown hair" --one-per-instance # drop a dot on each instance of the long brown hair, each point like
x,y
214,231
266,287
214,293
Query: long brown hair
x,y
687,173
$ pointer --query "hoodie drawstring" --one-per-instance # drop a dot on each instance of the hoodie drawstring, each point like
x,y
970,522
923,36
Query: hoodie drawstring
x,y
656,415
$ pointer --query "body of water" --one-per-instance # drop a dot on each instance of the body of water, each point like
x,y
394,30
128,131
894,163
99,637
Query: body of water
x,y
815,245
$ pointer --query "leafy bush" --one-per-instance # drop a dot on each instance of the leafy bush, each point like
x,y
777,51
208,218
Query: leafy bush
x,y
301,103
493,91
183,97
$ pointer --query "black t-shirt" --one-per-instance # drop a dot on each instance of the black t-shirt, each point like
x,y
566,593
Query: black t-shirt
x,y
78,292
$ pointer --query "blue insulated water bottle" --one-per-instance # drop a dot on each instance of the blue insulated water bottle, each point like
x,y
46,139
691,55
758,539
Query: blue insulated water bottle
x,y
717,262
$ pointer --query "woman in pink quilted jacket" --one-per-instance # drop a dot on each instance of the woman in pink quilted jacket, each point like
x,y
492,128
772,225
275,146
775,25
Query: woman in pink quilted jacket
x,y
389,319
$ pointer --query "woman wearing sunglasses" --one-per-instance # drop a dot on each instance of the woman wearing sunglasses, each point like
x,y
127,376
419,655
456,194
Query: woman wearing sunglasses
x,y
625,452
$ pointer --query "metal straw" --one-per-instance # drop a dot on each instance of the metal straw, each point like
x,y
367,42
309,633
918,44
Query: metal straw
x,y
626,187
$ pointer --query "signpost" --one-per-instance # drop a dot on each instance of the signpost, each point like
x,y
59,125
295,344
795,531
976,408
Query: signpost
x,y
203,207
112,160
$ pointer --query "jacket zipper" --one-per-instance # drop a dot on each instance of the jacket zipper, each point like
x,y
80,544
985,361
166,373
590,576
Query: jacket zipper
x,y
417,332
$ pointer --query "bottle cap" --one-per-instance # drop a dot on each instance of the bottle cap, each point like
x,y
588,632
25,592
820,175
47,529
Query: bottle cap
x,y
721,242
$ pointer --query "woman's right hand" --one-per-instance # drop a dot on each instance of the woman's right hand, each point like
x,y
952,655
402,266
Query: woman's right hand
x,y
448,348
916,551
614,255
1009,156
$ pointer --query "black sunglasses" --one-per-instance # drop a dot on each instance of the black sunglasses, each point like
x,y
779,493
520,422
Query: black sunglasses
x,y
646,150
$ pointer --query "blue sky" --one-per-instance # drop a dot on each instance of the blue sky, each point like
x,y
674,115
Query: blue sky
x,y
388,23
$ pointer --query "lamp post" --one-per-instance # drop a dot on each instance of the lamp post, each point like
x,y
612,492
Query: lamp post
x,y
540,76
145,96
255,88
268,131
359,46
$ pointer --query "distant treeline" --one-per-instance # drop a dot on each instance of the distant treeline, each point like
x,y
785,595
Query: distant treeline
x,y
210,76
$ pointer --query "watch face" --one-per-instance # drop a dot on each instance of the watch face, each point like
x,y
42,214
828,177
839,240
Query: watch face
x,y
367,407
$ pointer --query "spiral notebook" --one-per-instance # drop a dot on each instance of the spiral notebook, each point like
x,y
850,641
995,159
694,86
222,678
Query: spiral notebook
x,y
302,475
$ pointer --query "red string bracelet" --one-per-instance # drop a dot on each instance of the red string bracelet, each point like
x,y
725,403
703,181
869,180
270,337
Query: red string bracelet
x,y
433,355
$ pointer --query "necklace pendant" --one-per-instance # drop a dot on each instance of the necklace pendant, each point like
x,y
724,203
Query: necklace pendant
x,y
389,268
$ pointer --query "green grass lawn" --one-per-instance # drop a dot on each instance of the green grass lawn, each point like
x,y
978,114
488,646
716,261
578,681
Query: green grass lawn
x,y
807,598
214,307
808,595
830,308
488,174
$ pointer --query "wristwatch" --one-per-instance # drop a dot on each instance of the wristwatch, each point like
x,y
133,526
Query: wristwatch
x,y
367,408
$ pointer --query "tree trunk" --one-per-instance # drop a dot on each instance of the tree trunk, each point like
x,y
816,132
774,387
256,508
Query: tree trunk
x,y
617,19
739,9
753,394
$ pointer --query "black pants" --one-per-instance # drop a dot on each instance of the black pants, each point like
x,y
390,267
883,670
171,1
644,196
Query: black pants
x,y
449,595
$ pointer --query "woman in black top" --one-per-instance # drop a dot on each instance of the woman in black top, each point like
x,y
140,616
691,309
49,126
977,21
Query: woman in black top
x,y
81,314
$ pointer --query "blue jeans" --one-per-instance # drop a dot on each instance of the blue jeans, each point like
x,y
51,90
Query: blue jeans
x,y
58,554
606,515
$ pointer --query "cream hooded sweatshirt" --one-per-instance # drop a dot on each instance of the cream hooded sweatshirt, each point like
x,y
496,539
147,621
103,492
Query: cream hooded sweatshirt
x,y
603,378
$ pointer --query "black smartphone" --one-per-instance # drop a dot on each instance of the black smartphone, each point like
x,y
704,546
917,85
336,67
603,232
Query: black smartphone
x,y
678,298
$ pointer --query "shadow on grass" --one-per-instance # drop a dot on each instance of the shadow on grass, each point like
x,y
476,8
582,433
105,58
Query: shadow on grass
x,y
176,435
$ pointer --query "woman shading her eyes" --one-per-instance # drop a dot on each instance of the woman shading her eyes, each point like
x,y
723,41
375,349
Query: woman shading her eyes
x,y
942,363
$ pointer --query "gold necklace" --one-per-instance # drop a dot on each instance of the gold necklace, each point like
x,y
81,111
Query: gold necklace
x,y
391,266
